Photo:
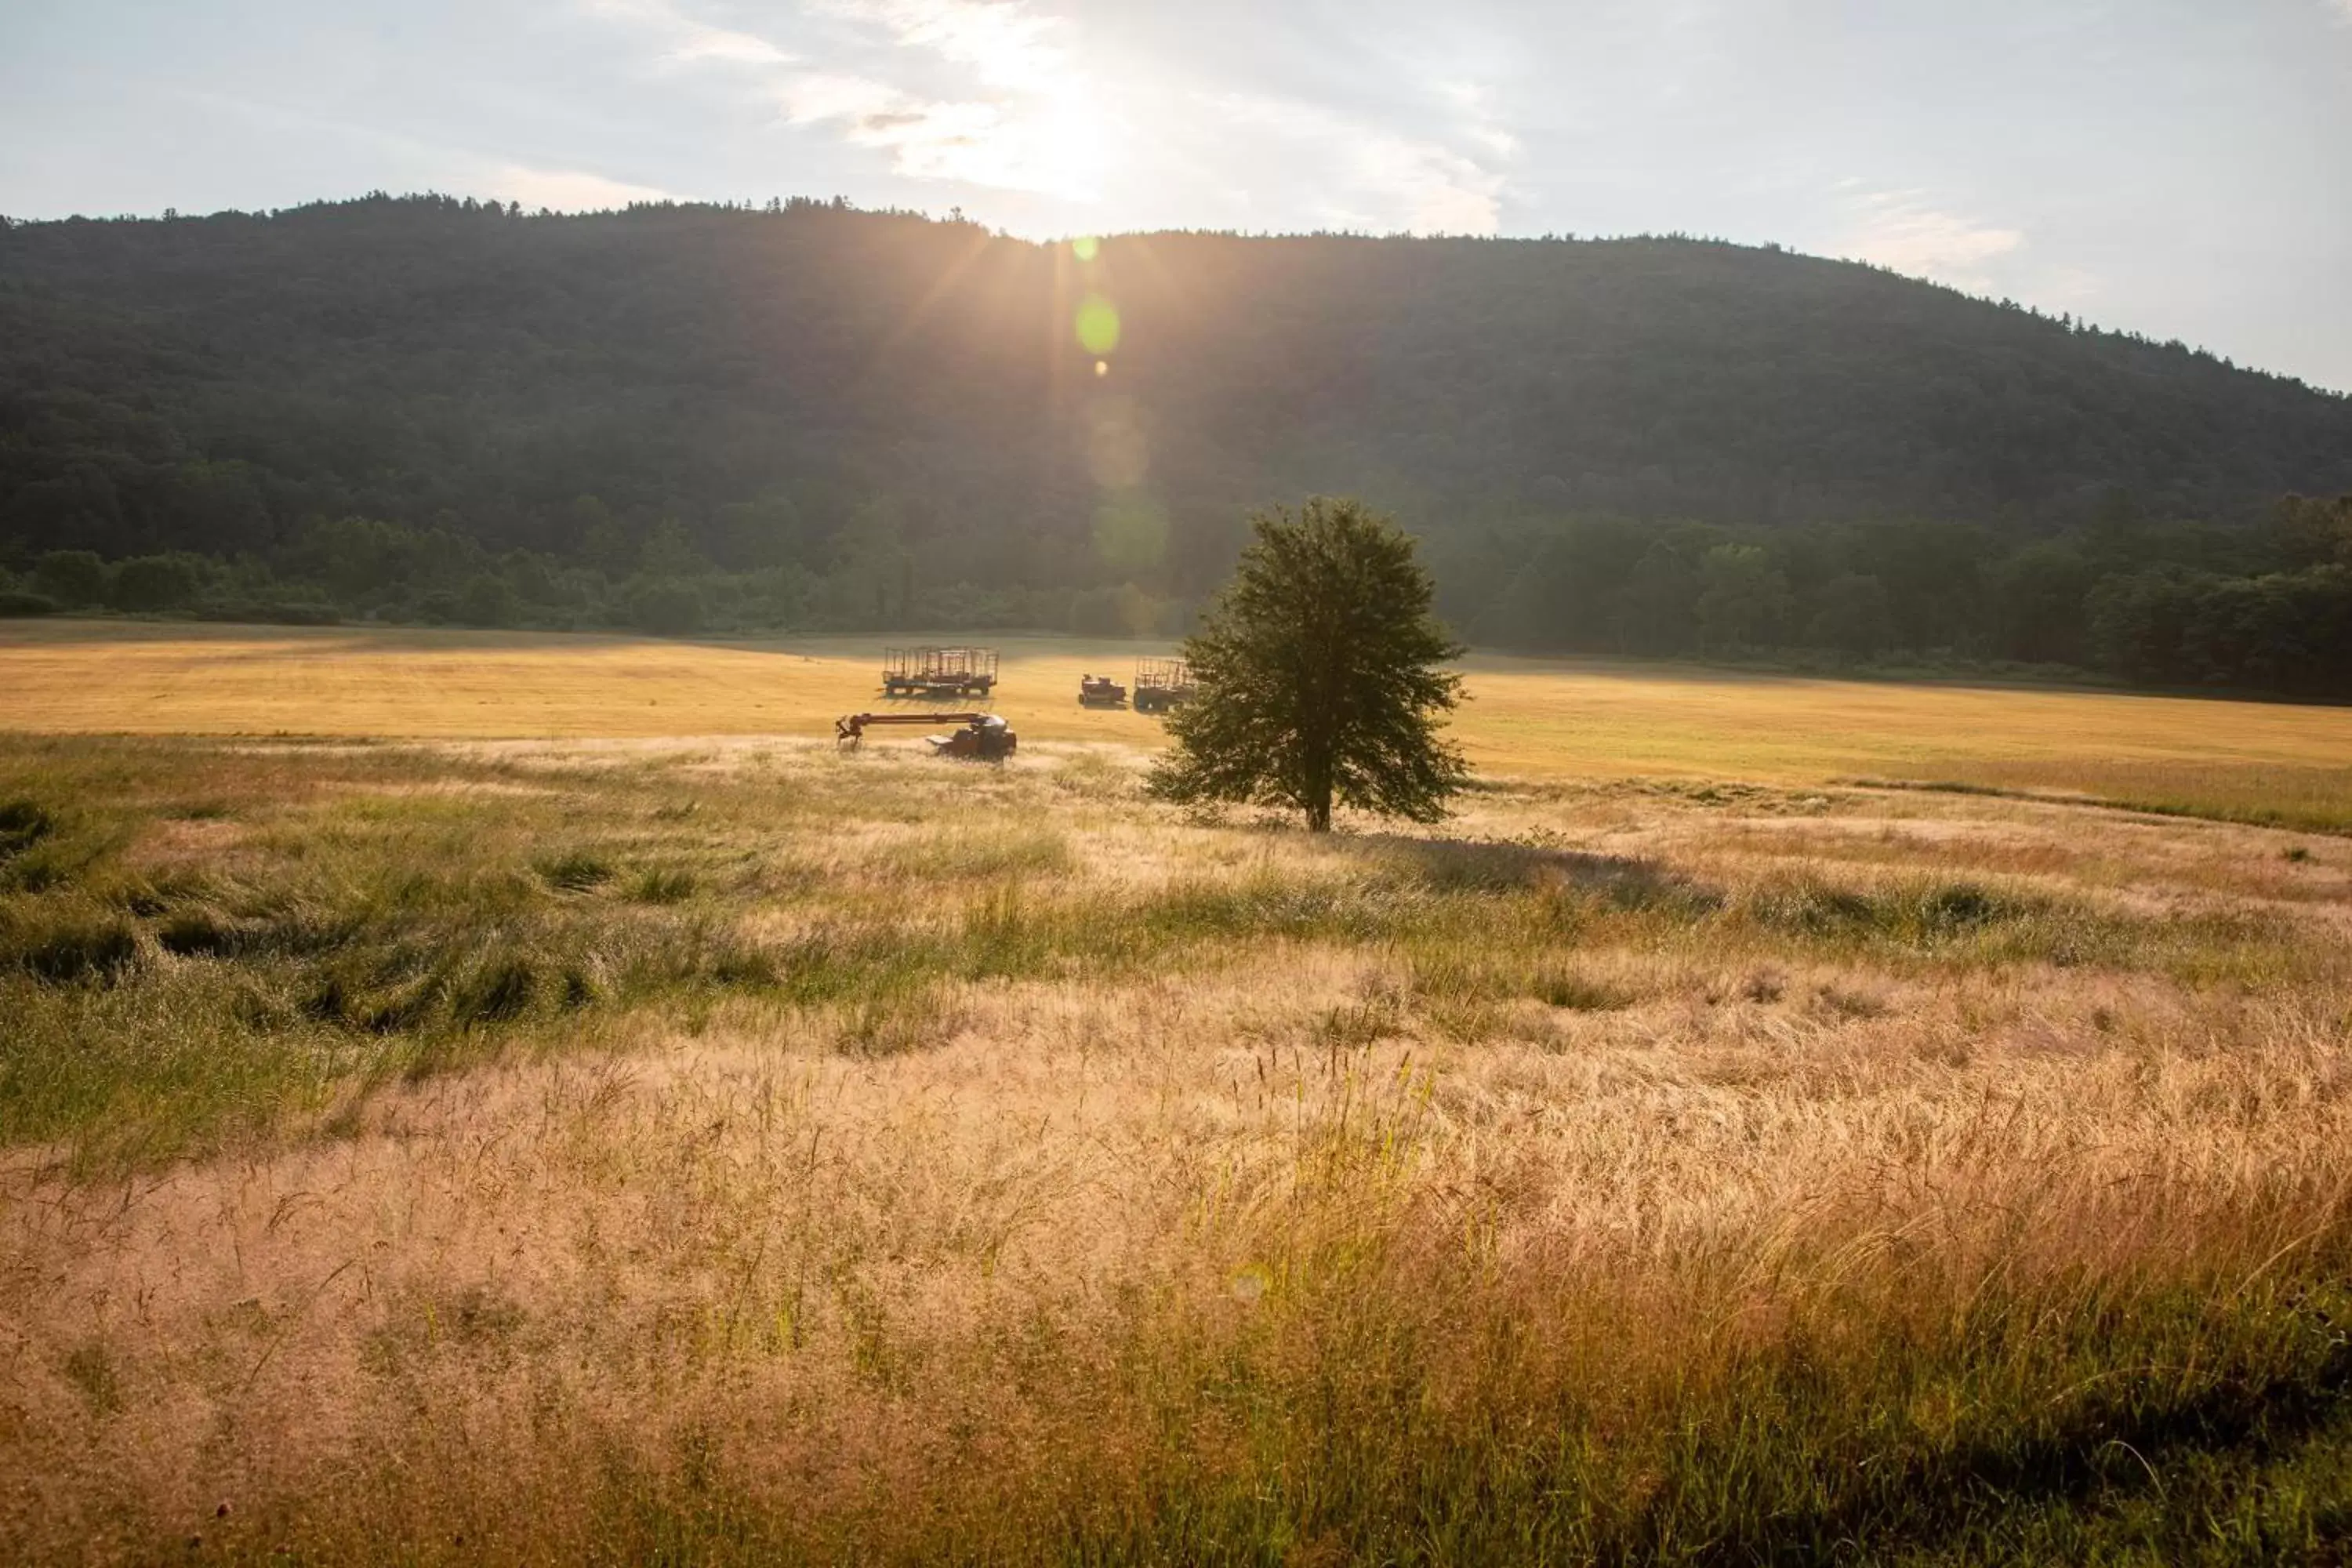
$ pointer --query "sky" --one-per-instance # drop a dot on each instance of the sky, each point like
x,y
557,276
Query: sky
x,y
2179,168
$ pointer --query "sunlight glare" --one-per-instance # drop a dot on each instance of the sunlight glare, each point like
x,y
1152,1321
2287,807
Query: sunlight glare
x,y
1097,325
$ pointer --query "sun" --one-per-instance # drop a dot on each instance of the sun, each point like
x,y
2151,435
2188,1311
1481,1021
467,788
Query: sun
x,y
1059,142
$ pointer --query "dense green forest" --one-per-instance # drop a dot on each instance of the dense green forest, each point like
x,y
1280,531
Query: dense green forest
x,y
801,416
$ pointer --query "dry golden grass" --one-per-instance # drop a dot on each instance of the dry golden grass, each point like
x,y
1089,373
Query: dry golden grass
x,y
1639,1170
1525,718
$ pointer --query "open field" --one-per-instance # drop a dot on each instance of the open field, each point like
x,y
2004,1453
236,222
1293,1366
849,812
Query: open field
x,y
619,1148
1527,718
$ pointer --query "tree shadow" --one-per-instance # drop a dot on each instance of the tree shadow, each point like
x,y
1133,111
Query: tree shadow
x,y
1484,866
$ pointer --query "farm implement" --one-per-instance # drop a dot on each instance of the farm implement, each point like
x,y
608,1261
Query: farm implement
x,y
1162,684
1100,691
983,738
939,671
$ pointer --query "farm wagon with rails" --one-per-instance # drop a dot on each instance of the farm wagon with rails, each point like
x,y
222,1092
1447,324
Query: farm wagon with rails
x,y
1162,684
939,671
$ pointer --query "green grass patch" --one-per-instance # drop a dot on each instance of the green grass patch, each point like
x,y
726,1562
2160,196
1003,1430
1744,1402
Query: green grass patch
x,y
68,944
575,871
23,824
2309,800
663,885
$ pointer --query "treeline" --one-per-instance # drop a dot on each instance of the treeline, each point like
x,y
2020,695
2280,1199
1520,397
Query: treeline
x,y
2169,604
2177,604
362,569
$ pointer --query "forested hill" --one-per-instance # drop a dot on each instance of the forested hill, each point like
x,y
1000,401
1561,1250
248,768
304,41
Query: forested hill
x,y
915,418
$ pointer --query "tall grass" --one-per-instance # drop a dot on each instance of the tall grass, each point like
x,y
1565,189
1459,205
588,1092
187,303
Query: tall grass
x,y
392,920
382,1164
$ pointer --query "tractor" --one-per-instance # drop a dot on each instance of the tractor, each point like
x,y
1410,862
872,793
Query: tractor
x,y
1162,684
1100,691
983,738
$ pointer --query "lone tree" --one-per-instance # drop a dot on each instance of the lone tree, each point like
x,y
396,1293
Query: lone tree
x,y
1317,676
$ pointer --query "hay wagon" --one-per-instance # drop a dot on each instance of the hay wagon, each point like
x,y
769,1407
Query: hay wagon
x,y
1162,684
939,671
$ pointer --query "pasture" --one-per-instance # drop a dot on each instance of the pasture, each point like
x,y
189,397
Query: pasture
x,y
481,1099
1535,718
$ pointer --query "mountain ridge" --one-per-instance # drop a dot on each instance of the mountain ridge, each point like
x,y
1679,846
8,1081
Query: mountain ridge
x,y
1655,377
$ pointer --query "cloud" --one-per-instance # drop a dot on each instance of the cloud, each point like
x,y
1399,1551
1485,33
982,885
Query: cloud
x,y
1375,179
1017,129
1027,147
1904,230
1005,44
1475,104
1899,229
438,165
1440,192
1026,124
691,41
1007,95
564,190
720,44
818,95
1016,121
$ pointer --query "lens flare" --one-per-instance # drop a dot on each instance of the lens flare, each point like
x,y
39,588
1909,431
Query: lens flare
x,y
1118,454
1131,533
1097,325
1086,247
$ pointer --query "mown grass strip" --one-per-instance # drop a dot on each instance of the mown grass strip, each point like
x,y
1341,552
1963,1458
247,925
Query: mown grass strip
x,y
2334,822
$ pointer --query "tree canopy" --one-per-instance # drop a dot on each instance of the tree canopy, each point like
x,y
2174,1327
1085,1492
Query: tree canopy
x,y
1319,676
210,383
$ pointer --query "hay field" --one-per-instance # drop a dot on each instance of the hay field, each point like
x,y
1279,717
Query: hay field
x,y
1525,718
619,1148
